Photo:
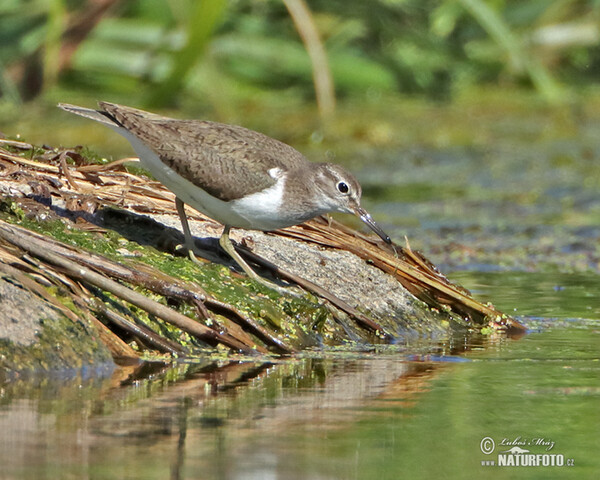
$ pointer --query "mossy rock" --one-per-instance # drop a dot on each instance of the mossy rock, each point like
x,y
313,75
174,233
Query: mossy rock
x,y
36,337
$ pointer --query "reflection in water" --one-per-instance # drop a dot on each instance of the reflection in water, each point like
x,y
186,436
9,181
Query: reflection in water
x,y
377,415
177,418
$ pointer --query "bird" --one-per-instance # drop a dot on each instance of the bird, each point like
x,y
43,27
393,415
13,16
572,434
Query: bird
x,y
236,176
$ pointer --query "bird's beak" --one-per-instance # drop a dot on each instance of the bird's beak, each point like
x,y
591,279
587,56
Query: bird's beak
x,y
365,217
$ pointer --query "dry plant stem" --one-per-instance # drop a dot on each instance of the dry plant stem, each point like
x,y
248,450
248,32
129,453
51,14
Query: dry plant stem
x,y
16,144
170,287
162,284
108,337
108,166
108,185
29,163
190,293
116,346
84,274
247,322
64,169
147,336
414,274
82,299
305,24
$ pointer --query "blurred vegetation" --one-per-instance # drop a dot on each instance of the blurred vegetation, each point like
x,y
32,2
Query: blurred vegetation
x,y
217,54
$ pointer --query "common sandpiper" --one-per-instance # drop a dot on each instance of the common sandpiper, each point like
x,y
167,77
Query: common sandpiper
x,y
238,177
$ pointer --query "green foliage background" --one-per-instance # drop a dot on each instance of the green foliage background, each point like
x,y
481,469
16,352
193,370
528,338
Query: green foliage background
x,y
228,58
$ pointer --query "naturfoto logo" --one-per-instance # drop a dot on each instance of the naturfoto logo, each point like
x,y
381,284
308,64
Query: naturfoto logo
x,y
520,454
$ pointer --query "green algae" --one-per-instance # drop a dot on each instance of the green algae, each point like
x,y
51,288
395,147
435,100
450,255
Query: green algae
x,y
60,345
300,322
11,208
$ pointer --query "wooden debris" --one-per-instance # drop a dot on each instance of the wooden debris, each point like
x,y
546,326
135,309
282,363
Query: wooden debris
x,y
410,268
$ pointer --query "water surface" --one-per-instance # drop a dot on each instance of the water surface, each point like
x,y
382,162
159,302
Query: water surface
x,y
340,415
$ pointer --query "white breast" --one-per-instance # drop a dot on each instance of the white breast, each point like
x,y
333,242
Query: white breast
x,y
264,209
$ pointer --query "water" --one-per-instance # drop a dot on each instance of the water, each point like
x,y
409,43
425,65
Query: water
x,y
337,416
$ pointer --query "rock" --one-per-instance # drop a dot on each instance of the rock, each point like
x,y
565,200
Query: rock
x,y
36,337
345,275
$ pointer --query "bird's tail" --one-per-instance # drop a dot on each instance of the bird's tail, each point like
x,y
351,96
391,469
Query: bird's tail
x,y
97,115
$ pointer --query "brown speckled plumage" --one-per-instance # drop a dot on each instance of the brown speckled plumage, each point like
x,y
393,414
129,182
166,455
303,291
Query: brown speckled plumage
x,y
226,161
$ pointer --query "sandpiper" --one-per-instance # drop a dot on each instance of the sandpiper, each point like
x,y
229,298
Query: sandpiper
x,y
238,177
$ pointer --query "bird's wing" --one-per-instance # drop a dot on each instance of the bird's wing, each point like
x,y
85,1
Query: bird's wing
x,y
216,157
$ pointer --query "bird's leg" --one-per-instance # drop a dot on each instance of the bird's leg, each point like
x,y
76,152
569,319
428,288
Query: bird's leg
x,y
189,239
226,244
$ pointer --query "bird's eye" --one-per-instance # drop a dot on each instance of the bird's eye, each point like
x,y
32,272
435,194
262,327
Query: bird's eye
x,y
343,187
